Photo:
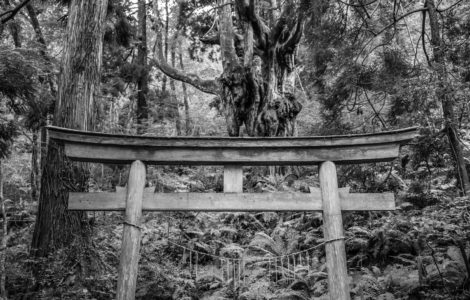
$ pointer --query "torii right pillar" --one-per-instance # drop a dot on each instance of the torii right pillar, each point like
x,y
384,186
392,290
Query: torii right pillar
x,y
338,282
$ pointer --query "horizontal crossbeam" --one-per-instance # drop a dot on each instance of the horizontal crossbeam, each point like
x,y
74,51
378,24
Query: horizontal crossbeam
x,y
277,201
110,148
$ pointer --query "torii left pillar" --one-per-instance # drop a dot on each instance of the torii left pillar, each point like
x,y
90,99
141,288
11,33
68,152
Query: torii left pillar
x,y
130,249
338,282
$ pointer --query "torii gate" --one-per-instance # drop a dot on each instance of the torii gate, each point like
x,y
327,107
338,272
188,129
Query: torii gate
x,y
233,154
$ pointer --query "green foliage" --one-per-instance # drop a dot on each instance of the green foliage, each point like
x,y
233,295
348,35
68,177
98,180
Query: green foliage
x,y
17,74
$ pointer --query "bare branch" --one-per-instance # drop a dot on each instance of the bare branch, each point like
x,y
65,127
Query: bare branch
x,y
450,7
390,25
423,40
10,14
357,5
206,86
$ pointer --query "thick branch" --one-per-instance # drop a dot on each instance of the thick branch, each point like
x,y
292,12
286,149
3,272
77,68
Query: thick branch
x,y
247,11
294,39
207,86
10,14
226,37
423,39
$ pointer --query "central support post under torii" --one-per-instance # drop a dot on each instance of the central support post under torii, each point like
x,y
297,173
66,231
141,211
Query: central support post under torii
x,y
338,283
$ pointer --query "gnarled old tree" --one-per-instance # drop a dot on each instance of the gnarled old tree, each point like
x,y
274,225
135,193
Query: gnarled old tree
x,y
258,48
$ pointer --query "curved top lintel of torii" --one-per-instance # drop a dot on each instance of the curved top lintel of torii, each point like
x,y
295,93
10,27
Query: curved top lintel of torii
x,y
341,149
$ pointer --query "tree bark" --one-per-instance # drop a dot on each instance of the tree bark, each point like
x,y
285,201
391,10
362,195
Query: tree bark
x,y
37,30
142,110
445,95
34,166
187,121
78,85
43,151
165,79
3,244
174,100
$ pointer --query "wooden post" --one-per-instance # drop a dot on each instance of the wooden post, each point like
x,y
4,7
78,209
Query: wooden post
x,y
338,282
128,265
233,179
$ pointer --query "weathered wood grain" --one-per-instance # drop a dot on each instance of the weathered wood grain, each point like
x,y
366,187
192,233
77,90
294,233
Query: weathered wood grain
x,y
230,156
401,136
129,260
231,201
233,179
107,148
338,283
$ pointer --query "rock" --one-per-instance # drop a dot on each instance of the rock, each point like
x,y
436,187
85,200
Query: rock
x,y
406,206
376,271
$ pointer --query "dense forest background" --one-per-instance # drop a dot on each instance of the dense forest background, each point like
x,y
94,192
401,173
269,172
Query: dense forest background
x,y
241,68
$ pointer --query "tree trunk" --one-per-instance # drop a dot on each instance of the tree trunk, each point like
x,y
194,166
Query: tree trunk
x,y
3,245
34,166
444,93
78,84
43,151
141,110
174,100
37,29
187,121
167,21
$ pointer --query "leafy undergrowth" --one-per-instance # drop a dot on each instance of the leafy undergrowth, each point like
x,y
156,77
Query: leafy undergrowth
x,y
413,253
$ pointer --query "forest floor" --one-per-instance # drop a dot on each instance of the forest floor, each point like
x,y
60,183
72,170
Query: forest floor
x,y
412,253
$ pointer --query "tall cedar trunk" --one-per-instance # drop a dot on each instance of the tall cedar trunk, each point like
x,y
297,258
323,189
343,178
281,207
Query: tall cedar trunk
x,y
142,85
39,146
167,21
43,152
443,93
187,121
34,166
3,244
78,85
174,99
